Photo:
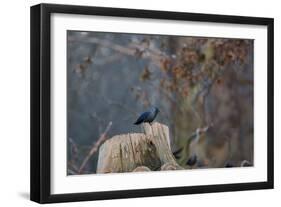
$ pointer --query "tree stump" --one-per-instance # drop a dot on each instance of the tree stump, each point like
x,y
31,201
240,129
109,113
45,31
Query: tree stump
x,y
138,151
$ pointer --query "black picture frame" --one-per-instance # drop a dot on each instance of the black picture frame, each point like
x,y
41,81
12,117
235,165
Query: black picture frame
x,y
41,99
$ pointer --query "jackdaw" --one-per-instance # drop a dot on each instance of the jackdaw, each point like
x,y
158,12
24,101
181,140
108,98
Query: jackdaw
x,y
192,160
147,116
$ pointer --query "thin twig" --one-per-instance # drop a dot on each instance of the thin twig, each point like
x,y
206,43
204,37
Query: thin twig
x,y
107,60
120,105
74,148
95,147
71,172
73,166
153,55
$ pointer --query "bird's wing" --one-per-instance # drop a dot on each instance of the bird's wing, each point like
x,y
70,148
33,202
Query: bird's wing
x,y
142,117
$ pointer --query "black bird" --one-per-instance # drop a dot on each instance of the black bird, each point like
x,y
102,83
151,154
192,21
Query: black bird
x,y
228,164
192,160
246,163
177,153
147,116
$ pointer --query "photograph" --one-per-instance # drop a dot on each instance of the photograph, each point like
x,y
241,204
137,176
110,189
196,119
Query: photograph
x,y
156,102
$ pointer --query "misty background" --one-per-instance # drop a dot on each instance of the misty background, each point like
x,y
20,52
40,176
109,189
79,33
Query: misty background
x,y
196,82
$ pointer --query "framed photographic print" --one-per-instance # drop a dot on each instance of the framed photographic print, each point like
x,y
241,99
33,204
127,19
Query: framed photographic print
x,y
132,103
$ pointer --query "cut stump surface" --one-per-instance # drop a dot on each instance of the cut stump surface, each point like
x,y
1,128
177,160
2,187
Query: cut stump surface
x,y
128,152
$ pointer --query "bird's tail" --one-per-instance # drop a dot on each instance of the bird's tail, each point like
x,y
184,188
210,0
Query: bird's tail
x,y
137,122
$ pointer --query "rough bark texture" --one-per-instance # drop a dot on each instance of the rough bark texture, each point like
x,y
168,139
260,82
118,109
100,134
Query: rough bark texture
x,y
138,151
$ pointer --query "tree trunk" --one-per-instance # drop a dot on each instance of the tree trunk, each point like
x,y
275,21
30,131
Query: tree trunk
x,y
138,151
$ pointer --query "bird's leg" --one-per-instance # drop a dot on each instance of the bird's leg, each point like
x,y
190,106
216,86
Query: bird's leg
x,y
142,128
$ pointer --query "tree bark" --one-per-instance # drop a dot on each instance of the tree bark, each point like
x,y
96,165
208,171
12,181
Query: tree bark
x,y
138,151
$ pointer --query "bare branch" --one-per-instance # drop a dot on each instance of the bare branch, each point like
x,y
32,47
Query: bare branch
x,y
74,149
73,166
146,53
95,147
120,105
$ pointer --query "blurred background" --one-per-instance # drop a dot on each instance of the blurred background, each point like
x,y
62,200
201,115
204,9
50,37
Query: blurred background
x,y
202,86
